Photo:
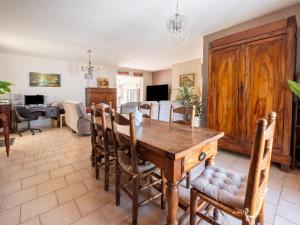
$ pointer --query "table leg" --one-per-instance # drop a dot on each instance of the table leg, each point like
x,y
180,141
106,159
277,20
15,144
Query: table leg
x,y
210,161
173,200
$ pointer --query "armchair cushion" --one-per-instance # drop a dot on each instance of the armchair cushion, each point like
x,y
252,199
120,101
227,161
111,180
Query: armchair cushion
x,y
223,185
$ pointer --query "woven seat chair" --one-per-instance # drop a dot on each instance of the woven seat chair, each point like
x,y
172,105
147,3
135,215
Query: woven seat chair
x,y
239,195
102,143
148,107
189,114
142,175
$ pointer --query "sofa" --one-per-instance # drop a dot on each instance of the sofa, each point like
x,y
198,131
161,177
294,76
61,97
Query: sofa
x,y
161,110
76,117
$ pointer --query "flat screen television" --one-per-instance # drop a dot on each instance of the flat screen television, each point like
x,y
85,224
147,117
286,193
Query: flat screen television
x,y
34,99
157,92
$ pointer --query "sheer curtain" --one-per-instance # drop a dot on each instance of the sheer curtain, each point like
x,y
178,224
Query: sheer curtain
x,y
129,89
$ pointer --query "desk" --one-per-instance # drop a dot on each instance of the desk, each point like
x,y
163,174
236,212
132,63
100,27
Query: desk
x,y
176,149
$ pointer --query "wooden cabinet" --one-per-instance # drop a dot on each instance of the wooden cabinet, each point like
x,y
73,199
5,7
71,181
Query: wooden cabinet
x,y
101,95
6,110
247,79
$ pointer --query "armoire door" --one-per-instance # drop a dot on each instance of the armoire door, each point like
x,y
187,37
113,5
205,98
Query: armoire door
x,y
223,94
264,85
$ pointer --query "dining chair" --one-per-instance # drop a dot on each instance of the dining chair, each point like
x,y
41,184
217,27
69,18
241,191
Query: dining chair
x,y
148,107
4,131
94,131
239,195
103,148
187,118
142,175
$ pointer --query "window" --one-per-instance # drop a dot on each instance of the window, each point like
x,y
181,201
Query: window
x,y
129,88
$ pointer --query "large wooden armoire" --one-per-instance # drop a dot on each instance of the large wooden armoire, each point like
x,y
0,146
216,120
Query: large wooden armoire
x,y
101,95
247,78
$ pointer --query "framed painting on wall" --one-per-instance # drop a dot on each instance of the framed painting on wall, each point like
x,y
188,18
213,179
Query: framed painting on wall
x,y
187,79
44,79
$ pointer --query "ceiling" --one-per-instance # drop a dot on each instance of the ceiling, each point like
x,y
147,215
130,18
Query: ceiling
x,y
125,33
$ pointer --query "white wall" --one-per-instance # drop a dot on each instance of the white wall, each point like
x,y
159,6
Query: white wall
x,y
15,68
192,66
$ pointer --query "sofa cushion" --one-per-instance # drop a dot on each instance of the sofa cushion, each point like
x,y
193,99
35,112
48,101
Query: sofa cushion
x,y
223,185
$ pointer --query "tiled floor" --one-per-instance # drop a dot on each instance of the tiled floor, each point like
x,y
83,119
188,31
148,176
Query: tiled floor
x,y
48,180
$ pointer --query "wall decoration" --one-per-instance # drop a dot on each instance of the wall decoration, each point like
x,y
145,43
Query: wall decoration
x,y
122,72
102,82
44,79
137,74
187,79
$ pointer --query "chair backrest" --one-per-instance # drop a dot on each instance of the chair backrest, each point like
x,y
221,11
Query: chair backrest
x,y
186,112
148,107
4,123
118,119
258,174
98,121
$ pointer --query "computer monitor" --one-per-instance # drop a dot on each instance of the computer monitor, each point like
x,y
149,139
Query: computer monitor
x,y
34,99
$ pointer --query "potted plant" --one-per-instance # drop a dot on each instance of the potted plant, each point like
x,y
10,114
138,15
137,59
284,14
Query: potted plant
x,y
4,87
187,97
295,87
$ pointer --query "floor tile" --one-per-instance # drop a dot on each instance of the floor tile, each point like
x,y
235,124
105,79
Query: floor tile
x,y
34,180
22,174
68,161
38,206
43,155
70,192
289,211
10,216
47,167
51,186
34,163
282,221
55,158
62,215
93,200
92,184
94,218
77,176
81,164
8,188
18,198
61,171
34,221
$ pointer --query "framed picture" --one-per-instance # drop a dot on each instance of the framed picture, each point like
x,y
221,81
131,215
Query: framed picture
x,y
44,79
102,82
187,79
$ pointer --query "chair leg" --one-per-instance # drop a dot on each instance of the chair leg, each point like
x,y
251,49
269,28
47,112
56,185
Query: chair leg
x,y
188,180
7,144
96,165
193,205
118,180
260,220
135,199
163,190
106,172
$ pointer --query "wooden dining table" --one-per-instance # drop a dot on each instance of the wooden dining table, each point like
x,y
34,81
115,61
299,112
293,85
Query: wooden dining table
x,y
176,149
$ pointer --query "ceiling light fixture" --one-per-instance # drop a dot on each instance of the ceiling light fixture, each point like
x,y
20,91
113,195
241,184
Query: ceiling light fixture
x,y
90,68
177,26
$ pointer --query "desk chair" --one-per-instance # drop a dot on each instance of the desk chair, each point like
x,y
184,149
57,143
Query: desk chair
x,y
23,115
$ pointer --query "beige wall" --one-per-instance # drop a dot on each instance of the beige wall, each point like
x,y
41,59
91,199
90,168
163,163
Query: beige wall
x,y
163,77
191,66
281,14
